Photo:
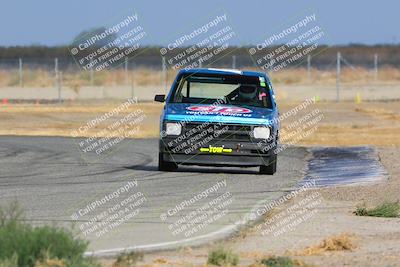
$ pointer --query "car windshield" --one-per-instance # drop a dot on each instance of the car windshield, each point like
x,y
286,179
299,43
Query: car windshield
x,y
231,89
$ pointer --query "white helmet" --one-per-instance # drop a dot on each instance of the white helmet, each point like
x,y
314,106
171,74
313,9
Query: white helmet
x,y
247,92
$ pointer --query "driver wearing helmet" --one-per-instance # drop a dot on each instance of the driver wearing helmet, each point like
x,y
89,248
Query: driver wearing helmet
x,y
245,93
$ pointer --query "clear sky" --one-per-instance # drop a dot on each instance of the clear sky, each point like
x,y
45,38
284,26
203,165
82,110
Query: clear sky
x,y
52,22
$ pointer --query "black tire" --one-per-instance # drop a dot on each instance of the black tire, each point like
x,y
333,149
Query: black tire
x,y
269,169
165,165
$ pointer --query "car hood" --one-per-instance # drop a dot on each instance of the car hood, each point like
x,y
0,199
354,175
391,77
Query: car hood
x,y
218,113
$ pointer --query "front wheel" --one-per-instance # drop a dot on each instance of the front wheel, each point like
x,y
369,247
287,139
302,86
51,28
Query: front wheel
x,y
269,169
166,165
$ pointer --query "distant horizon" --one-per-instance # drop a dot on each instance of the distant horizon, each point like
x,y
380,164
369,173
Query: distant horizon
x,y
233,46
53,24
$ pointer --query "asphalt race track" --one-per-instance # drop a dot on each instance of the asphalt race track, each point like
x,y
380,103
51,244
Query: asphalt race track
x,y
54,181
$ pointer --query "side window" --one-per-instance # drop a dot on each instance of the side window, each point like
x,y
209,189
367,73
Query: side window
x,y
181,92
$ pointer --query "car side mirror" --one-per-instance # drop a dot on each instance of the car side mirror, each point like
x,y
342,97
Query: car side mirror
x,y
159,98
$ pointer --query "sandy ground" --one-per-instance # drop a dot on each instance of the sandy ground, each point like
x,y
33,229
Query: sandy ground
x,y
376,240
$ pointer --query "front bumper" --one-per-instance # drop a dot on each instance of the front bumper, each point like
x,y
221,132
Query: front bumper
x,y
217,160
243,154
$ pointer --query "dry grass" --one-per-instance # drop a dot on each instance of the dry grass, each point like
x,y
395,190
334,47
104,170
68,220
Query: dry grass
x,y
349,124
49,120
143,76
355,135
151,108
160,261
77,79
128,259
380,113
342,242
51,263
359,76
337,128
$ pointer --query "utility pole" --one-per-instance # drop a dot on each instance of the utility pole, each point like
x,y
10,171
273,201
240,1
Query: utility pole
x,y
234,62
338,76
309,67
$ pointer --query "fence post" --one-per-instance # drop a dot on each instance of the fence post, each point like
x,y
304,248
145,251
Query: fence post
x,y
133,81
338,76
20,73
126,71
59,86
375,67
57,81
309,67
234,62
91,72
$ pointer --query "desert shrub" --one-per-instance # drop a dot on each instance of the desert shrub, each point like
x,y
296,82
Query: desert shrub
x,y
29,246
386,209
222,257
278,262
128,259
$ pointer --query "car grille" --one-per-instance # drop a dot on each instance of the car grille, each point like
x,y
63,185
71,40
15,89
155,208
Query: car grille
x,y
231,132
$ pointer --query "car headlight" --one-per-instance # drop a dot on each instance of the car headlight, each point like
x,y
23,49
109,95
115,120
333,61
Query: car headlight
x,y
172,128
261,132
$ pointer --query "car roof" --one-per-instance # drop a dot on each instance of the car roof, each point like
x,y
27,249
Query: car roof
x,y
223,71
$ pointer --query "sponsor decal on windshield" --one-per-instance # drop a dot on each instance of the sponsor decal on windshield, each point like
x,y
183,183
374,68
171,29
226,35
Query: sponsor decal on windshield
x,y
262,81
219,110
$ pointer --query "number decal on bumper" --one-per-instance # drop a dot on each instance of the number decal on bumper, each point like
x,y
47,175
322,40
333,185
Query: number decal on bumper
x,y
216,149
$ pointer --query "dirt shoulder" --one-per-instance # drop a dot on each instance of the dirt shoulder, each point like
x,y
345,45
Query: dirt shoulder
x,y
377,240
321,214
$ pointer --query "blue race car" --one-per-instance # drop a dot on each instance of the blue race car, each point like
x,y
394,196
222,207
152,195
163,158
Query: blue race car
x,y
219,117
